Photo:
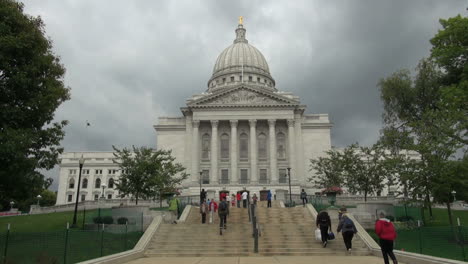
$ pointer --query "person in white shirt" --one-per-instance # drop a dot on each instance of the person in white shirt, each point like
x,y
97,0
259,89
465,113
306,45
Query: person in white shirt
x,y
244,199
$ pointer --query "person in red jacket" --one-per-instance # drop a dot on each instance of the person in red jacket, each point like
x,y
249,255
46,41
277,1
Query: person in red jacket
x,y
386,232
238,198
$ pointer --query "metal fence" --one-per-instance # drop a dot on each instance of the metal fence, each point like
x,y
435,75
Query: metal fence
x,y
65,246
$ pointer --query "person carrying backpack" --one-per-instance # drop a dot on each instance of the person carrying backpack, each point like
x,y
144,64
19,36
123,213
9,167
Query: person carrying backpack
x,y
324,223
223,211
269,198
386,232
348,229
304,197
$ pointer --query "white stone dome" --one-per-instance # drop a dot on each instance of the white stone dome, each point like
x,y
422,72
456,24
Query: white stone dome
x,y
240,63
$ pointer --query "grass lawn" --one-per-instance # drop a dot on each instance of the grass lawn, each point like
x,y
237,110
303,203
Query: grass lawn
x,y
440,217
40,222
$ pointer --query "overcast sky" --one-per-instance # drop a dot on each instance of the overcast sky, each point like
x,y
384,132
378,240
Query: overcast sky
x,y
130,62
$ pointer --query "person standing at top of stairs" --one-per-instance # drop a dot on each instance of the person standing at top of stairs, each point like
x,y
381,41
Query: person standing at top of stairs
x,y
203,211
244,199
202,195
304,197
269,198
213,207
238,197
223,212
324,223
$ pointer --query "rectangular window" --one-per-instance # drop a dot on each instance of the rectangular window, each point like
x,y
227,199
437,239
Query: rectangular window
x,y
225,147
224,176
98,172
244,147
250,78
72,172
240,78
96,197
70,197
85,172
83,197
263,176
258,79
232,78
205,177
112,172
244,176
282,176
109,196
224,80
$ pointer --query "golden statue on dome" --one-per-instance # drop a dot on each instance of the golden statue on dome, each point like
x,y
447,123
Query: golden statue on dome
x,y
241,20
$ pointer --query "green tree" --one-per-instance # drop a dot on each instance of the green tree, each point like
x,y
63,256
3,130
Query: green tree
x,y
365,169
31,88
328,170
147,173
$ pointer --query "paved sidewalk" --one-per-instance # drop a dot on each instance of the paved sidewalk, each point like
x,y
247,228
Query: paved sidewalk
x,y
263,260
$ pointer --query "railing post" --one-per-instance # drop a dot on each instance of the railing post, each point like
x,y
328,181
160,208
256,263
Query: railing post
x,y
420,236
84,216
66,244
462,238
6,244
126,230
102,238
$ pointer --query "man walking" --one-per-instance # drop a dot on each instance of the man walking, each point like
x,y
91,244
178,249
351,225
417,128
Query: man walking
x,y
324,223
244,199
203,211
303,197
386,232
269,198
173,209
223,212
202,196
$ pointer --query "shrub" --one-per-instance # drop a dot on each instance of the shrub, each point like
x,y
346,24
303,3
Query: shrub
x,y
391,218
97,220
108,220
122,221
405,218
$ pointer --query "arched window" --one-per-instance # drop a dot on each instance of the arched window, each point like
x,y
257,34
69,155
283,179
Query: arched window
x,y
224,146
281,145
97,183
244,146
84,185
71,184
111,183
206,147
262,146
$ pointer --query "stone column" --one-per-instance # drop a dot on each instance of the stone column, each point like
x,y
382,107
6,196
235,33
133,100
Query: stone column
x,y
253,151
188,150
233,150
214,152
300,167
292,149
195,151
273,158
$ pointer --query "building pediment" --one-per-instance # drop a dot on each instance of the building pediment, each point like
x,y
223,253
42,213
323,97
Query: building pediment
x,y
243,96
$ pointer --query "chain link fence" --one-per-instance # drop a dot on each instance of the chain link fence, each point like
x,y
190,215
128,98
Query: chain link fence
x,y
65,246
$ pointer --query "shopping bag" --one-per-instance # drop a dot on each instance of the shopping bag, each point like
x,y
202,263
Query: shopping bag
x,y
318,235
331,236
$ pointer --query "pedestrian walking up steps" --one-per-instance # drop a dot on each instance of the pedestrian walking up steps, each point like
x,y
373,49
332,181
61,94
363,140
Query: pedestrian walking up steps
x,y
284,231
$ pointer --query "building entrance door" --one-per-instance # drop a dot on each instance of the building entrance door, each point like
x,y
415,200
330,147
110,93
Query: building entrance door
x,y
263,195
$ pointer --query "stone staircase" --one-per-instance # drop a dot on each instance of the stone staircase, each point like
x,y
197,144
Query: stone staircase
x,y
284,231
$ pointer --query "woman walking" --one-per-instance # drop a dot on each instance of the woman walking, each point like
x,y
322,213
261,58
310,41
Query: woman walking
x,y
386,232
203,211
347,229
324,223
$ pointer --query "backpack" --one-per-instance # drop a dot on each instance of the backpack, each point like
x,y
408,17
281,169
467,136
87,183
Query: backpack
x,y
222,207
348,223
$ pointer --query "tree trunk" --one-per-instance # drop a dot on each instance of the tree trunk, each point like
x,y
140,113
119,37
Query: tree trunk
x,y
365,196
160,200
136,199
429,206
449,213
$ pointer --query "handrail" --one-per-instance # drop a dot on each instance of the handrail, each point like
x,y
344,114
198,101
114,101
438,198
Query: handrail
x,y
254,227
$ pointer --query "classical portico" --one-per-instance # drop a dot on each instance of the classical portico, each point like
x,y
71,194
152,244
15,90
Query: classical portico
x,y
242,132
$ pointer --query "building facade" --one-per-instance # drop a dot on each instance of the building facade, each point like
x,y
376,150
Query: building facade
x,y
241,133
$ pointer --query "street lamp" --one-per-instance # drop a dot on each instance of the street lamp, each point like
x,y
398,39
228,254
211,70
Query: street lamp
x,y
290,196
38,198
103,186
81,163
11,205
201,173
453,193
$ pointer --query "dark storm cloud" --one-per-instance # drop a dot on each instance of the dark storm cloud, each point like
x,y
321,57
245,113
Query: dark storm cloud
x,y
129,62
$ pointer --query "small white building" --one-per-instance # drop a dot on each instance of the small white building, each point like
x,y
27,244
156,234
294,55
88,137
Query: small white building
x,y
241,133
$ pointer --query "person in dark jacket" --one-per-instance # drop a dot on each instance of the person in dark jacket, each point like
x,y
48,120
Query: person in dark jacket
x,y
386,232
324,223
223,212
304,197
202,196
269,198
347,229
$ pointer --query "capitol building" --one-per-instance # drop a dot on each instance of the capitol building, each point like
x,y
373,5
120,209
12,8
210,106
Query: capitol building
x,y
241,133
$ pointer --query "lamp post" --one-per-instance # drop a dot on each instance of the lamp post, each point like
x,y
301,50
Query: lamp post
x,y
81,162
201,173
11,205
454,193
103,186
38,199
290,195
